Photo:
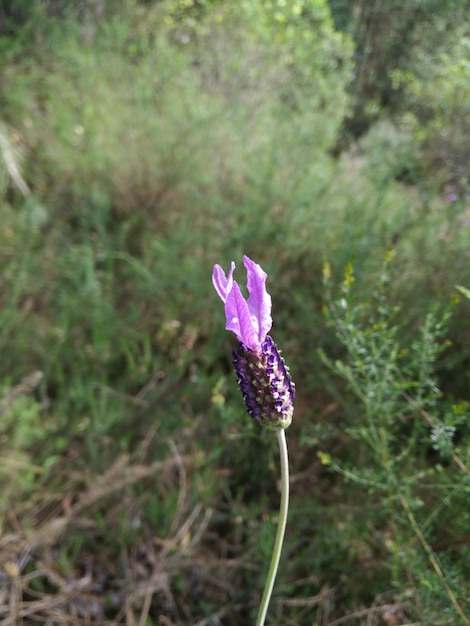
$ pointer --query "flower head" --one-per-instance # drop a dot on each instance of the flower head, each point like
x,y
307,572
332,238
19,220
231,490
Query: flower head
x,y
266,385
263,377
249,319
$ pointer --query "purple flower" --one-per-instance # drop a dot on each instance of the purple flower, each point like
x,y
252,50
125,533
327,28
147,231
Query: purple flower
x,y
249,319
263,377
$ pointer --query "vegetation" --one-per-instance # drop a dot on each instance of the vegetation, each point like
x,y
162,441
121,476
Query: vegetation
x,y
142,142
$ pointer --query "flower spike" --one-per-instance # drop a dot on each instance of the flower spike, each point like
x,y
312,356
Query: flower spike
x,y
263,377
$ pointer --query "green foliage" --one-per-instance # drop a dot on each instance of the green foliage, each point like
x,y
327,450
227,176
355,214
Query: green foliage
x,y
22,433
464,291
400,418
397,38
441,114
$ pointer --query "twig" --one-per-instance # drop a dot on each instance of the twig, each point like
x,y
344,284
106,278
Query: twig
x,y
427,418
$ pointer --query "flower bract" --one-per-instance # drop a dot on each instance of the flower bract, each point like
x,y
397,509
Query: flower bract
x,y
250,319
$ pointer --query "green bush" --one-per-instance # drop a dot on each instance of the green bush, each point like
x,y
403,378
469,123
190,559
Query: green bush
x,y
408,448
441,113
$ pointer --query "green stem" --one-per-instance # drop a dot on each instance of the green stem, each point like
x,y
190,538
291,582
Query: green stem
x,y
281,435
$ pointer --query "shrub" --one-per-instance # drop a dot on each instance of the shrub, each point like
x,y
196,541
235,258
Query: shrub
x,y
408,448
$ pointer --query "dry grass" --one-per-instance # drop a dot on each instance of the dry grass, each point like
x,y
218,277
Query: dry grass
x,y
66,562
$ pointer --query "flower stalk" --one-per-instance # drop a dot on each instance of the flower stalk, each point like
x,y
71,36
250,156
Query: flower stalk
x,y
281,528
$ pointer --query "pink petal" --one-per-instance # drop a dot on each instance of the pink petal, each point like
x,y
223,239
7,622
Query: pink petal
x,y
222,284
238,318
259,301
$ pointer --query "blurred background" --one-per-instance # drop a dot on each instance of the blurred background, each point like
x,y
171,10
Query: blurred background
x,y
140,143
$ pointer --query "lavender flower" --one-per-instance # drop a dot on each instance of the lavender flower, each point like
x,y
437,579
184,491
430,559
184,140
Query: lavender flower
x,y
263,377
